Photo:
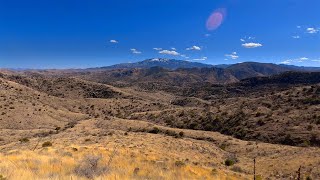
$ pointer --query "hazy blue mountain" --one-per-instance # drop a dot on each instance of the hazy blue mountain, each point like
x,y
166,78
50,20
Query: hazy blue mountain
x,y
160,62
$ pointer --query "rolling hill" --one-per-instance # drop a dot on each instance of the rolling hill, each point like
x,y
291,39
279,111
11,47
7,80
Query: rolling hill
x,y
156,122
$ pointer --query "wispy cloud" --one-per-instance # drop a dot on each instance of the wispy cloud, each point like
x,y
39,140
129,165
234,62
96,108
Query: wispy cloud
x,y
201,59
196,48
288,61
251,45
295,60
296,37
173,49
168,52
312,30
157,49
247,38
207,35
184,56
232,56
114,41
135,51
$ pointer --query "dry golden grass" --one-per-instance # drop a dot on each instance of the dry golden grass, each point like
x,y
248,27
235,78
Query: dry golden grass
x,y
60,163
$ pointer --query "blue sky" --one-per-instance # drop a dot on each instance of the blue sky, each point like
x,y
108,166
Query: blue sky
x,y
90,33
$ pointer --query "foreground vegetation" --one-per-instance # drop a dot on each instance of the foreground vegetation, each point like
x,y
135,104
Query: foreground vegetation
x,y
97,162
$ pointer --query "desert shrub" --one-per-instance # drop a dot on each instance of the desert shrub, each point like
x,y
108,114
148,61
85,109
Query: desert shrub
x,y
214,171
261,122
305,143
258,114
171,133
311,101
90,166
223,146
181,134
229,162
47,144
208,127
155,130
179,163
307,178
317,120
24,140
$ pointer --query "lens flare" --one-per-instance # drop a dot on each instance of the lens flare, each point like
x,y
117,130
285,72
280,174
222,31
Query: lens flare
x,y
216,19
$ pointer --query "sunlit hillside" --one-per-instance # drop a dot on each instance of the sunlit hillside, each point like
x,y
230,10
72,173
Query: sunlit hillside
x,y
103,162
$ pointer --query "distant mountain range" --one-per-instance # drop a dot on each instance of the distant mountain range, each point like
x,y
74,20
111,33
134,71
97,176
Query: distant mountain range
x,y
170,72
173,64
160,62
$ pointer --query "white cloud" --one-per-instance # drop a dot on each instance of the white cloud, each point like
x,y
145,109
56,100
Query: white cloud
x,y
312,30
286,62
201,59
232,55
298,27
168,52
135,51
295,60
251,45
173,49
242,40
304,58
196,48
157,49
296,37
114,41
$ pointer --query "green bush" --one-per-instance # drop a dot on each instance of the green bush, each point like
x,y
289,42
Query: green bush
x,y
229,162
